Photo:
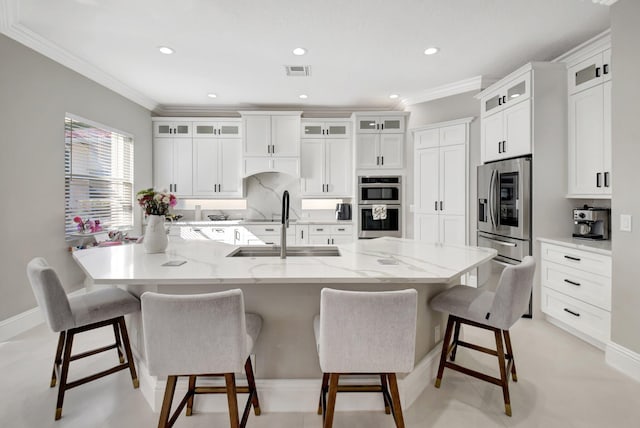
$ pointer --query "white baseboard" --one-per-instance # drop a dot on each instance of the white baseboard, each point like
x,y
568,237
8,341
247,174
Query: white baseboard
x,y
296,395
20,323
623,359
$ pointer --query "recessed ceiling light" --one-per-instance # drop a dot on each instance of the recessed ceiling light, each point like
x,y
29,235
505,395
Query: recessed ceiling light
x,y
303,96
165,50
431,51
212,95
299,51
393,96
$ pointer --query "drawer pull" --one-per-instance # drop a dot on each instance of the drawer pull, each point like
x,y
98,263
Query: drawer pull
x,y
269,230
341,229
575,314
572,282
319,230
576,259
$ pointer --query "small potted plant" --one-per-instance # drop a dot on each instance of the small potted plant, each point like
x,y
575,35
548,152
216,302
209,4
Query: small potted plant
x,y
156,206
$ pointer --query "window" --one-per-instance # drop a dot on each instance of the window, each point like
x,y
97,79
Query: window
x,y
98,175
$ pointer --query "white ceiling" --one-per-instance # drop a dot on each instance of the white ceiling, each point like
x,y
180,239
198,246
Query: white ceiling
x,y
360,51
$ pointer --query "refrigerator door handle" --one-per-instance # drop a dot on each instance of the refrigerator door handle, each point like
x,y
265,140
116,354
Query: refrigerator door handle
x,y
492,200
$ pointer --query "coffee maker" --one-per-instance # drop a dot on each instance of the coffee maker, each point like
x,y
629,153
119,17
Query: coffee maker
x,y
591,223
343,211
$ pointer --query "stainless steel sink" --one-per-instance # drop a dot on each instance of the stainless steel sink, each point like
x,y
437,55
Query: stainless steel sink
x,y
266,251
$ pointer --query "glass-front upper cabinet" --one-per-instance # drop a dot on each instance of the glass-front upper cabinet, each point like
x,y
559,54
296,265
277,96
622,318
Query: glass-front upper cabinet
x,y
380,124
172,129
590,72
330,129
227,129
518,89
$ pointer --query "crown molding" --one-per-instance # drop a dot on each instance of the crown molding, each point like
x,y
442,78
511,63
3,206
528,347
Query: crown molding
x,y
605,2
11,27
472,84
593,45
235,110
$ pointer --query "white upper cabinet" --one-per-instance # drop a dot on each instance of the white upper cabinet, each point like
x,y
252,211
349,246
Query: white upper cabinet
x,y
380,124
589,122
592,71
272,135
326,169
380,151
335,128
172,168
512,92
172,129
216,167
226,129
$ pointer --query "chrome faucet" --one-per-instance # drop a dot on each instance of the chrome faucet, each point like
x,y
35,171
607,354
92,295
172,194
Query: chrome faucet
x,y
285,225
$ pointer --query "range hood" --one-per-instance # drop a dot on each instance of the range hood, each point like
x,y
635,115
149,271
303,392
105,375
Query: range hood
x,y
257,165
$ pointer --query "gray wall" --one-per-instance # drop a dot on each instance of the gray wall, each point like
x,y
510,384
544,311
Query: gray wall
x,y
442,110
35,94
625,33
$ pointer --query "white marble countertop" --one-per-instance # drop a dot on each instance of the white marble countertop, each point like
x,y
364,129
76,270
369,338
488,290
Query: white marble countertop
x,y
292,222
207,263
599,247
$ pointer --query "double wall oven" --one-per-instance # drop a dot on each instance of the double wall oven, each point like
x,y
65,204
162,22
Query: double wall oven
x,y
504,215
381,190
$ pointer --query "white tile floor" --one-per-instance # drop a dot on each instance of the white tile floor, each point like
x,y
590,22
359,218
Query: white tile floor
x,y
563,382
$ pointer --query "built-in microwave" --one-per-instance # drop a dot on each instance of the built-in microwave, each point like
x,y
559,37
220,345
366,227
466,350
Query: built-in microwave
x,y
379,190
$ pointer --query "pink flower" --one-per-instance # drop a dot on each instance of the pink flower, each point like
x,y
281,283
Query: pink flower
x,y
77,219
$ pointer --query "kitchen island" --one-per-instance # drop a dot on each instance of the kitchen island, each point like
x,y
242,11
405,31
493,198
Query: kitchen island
x,y
286,293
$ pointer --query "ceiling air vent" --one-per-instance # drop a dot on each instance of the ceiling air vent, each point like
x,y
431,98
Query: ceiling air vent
x,y
298,70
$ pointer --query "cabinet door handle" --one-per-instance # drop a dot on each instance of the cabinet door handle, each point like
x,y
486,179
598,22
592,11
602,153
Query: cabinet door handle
x,y
598,179
597,71
302,234
605,69
575,259
577,284
435,205
441,206
575,314
504,99
504,146
606,179
381,160
175,188
332,241
382,126
499,101
273,149
377,160
328,241
499,146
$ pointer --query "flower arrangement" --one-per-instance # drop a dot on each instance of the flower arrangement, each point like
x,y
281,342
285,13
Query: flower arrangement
x,y
156,203
88,225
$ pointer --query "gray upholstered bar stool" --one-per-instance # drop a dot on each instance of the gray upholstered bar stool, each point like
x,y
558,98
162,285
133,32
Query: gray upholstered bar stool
x,y
201,335
495,311
92,310
365,333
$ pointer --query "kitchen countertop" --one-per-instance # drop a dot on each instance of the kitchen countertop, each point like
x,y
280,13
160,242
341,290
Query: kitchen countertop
x,y
600,247
292,222
364,261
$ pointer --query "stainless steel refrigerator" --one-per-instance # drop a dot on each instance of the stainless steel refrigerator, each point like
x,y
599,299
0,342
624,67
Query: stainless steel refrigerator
x,y
504,216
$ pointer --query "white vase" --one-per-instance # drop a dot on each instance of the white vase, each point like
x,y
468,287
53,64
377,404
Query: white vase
x,y
155,236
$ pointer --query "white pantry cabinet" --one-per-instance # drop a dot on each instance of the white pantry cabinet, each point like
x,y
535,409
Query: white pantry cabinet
x,y
589,121
440,182
172,165
217,164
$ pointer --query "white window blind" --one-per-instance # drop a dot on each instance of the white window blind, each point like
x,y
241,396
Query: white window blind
x,y
98,175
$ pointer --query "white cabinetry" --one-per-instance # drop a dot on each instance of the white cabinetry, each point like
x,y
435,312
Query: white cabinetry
x,y
171,129
576,291
440,182
335,128
271,142
589,119
216,167
330,234
172,171
221,129
326,168
506,120
380,141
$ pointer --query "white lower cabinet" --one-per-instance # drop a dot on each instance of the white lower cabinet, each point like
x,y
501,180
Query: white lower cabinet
x,y
266,234
576,290
328,234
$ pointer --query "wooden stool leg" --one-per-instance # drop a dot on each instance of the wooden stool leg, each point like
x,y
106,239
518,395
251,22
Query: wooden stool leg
x,y
192,388
503,372
165,411
232,399
395,398
323,392
127,349
251,380
507,341
445,350
331,403
456,336
385,391
116,333
58,360
66,359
